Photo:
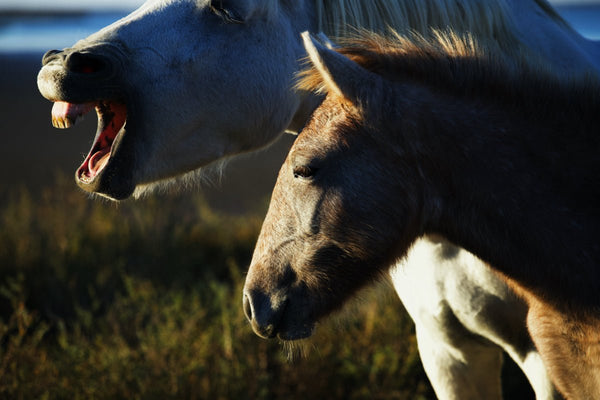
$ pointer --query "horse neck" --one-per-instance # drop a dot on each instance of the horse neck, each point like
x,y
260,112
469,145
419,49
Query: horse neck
x,y
486,188
545,33
548,39
307,101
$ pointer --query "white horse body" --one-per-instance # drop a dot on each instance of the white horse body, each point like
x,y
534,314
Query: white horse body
x,y
557,42
464,317
203,81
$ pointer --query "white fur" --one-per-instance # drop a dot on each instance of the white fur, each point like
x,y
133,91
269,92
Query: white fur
x,y
464,317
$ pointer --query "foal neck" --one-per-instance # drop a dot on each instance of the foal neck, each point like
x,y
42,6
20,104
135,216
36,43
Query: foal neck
x,y
518,191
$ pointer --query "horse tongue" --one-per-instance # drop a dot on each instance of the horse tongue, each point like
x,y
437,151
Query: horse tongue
x,y
97,161
65,115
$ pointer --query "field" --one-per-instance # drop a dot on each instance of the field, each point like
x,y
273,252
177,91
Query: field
x,y
142,299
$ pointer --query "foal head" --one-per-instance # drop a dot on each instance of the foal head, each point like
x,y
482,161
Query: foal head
x,y
332,225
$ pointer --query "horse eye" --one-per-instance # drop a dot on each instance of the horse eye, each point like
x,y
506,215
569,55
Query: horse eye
x,y
227,14
304,171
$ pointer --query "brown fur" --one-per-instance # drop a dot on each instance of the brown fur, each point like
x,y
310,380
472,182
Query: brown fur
x,y
569,341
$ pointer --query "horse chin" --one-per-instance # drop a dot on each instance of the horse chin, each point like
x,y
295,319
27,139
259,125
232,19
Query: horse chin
x,y
296,333
295,325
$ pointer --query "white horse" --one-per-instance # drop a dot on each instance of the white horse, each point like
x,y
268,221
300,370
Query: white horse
x,y
181,85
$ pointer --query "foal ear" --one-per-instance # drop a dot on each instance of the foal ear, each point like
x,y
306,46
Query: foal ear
x,y
337,72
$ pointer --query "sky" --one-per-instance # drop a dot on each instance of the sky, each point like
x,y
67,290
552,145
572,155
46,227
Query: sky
x,y
567,2
131,4
70,4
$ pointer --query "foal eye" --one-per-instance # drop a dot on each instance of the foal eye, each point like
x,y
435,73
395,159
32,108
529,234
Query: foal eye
x,y
228,14
304,171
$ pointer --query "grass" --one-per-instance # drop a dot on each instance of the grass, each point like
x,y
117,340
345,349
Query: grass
x,y
142,300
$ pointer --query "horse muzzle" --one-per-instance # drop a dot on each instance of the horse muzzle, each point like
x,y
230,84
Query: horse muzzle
x,y
275,315
81,75
78,80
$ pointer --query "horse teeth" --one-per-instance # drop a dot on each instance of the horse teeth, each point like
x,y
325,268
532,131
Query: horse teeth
x,y
65,115
62,123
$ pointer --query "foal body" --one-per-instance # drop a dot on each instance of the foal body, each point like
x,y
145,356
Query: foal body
x,y
418,138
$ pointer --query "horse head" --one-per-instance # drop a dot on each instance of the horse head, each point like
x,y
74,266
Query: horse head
x,y
331,227
177,85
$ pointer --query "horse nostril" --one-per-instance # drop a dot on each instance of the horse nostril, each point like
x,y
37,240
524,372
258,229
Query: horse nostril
x,y
248,307
85,63
50,56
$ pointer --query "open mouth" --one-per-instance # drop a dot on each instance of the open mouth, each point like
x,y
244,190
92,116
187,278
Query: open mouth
x,y
112,117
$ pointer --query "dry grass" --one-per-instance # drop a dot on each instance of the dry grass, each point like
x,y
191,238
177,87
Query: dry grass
x,y
143,301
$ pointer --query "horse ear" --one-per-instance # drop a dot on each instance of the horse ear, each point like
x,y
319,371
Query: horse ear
x,y
339,74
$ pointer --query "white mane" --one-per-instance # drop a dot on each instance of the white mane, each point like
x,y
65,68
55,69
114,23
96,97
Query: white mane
x,y
482,19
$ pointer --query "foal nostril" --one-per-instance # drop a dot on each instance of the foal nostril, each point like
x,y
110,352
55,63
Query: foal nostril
x,y
86,63
248,308
264,316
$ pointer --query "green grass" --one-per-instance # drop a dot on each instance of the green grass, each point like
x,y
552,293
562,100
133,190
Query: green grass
x,y
142,300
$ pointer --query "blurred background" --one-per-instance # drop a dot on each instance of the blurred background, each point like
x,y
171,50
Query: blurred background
x,y
142,299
